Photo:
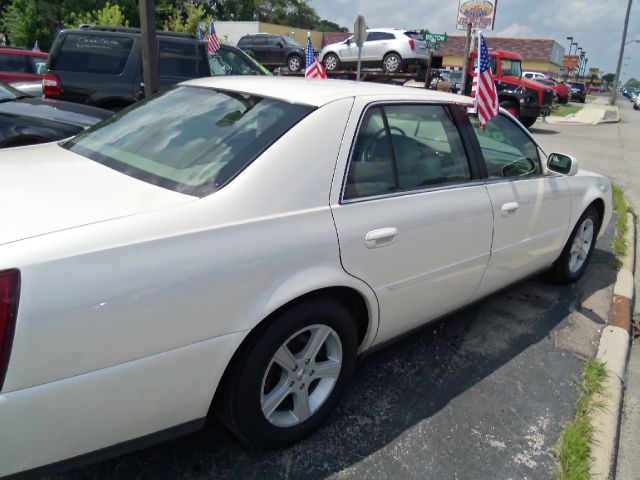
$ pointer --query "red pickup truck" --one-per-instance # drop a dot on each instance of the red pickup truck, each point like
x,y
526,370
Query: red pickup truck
x,y
18,65
525,99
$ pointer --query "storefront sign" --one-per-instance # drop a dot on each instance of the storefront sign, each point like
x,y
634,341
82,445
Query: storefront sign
x,y
481,14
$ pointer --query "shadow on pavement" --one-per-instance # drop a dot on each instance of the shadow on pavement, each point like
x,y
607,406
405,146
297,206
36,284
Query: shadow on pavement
x,y
541,131
396,390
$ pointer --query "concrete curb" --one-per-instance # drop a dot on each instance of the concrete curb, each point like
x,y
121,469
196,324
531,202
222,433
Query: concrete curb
x,y
613,351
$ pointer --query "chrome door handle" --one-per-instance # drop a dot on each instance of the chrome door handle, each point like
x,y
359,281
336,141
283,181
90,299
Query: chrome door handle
x,y
509,208
381,237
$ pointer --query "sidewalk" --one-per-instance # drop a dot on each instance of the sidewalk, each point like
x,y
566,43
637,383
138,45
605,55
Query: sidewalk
x,y
594,112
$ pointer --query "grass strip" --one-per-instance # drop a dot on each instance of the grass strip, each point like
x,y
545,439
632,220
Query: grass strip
x,y
574,451
566,109
621,208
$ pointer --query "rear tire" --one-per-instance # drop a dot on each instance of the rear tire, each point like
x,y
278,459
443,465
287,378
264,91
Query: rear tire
x,y
576,254
269,405
294,63
392,63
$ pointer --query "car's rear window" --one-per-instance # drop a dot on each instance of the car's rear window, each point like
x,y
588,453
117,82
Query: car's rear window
x,y
83,53
188,139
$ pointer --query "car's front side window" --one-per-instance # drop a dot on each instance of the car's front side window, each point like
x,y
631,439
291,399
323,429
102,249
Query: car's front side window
x,y
405,147
507,150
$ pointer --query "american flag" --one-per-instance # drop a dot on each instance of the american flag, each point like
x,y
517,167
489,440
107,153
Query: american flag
x,y
314,67
484,90
213,45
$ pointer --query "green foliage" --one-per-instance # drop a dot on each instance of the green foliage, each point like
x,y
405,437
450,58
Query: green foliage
x,y
24,23
632,83
566,109
327,26
621,208
609,77
108,15
575,444
185,21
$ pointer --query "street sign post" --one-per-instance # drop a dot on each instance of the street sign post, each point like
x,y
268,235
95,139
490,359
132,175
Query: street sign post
x,y
433,41
359,36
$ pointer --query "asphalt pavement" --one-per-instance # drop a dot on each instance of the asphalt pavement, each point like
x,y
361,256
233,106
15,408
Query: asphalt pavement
x,y
482,394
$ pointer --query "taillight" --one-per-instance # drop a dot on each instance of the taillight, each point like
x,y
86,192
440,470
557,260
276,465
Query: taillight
x,y
412,44
51,85
9,293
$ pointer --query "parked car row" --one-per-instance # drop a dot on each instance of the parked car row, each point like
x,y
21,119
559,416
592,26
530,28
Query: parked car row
x,y
92,72
184,258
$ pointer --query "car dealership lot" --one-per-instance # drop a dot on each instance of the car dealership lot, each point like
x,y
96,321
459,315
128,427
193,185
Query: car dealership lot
x,y
482,394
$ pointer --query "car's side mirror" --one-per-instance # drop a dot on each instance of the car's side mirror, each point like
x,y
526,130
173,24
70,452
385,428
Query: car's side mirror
x,y
348,42
564,164
279,44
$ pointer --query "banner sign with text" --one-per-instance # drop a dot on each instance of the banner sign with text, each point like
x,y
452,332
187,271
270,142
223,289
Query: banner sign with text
x,y
481,14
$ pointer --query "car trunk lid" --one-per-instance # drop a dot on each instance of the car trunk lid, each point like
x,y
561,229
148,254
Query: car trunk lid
x,y
46,188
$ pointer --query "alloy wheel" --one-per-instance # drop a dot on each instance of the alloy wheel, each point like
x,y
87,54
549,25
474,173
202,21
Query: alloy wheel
x,y
301,375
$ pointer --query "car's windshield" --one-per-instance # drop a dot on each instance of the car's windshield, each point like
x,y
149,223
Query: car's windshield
x,y
292,42
188,139
232,62
9,93
455,76
579,86
511,67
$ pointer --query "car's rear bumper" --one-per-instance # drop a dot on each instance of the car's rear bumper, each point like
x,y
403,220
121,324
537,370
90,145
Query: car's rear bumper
x,y
67,418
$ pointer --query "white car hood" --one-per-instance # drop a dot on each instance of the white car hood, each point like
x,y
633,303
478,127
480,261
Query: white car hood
x,y
46,188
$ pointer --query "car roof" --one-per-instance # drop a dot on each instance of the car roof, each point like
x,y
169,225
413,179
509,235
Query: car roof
x,y
321,92
20,51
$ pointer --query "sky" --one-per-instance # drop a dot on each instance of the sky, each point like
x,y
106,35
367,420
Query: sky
x,y
596,25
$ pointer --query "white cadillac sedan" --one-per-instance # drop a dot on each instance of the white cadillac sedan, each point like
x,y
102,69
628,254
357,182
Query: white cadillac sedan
x,y
231,246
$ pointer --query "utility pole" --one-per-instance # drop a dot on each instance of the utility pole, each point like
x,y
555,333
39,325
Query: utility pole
x,y
149,46
622,44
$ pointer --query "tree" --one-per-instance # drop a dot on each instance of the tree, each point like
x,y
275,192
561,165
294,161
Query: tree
x,y
327,26
632,83
24,23
609,77
108,15
185,21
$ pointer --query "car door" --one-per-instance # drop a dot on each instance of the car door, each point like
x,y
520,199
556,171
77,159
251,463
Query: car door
x,y
376,46
413,218
531,207
348,51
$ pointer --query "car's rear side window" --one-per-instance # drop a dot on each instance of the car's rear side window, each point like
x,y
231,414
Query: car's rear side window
x,y
188,139
16,63
178,59
92,54
405,147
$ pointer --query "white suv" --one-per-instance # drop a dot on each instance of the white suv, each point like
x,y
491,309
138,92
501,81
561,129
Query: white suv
x,y
392,49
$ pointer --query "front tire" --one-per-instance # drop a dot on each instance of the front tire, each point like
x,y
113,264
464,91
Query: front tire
x,y
511,107
527,121
331,62
290,376
576,254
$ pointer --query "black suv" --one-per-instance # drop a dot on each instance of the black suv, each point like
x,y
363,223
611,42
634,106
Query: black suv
x,y
102,66
274,50
578,91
